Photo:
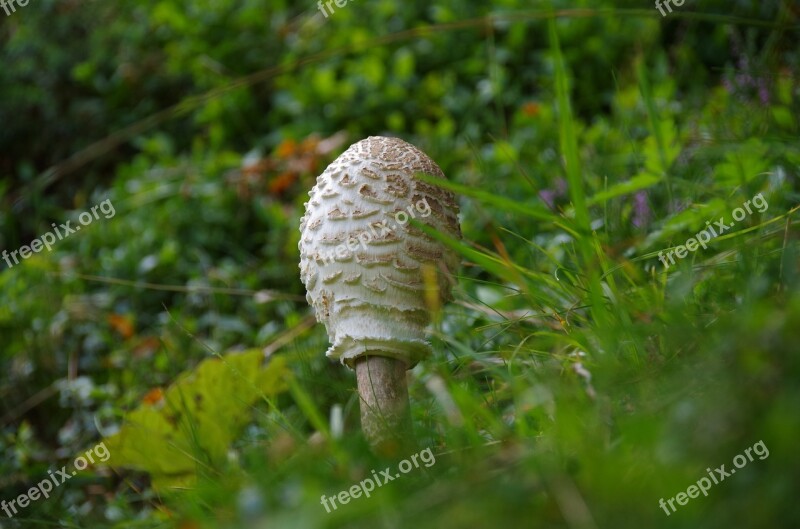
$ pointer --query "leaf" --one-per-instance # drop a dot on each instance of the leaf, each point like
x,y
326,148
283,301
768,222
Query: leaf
x,y
281,183
743,164
122,324
659,157
286,148
684,223
489,262
194,422
502,203
531,109
637,183
154,396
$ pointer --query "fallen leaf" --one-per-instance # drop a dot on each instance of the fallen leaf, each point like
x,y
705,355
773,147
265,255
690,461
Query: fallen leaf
x,y
199,416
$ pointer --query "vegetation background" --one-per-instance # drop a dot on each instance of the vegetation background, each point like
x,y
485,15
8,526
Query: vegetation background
x,y
576,381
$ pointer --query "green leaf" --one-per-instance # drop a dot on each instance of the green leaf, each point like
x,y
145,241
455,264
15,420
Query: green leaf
x,y
743,164
504,204
637,183
193,425
784,117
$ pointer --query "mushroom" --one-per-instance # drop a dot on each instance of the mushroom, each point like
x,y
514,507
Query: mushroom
x,y
374,279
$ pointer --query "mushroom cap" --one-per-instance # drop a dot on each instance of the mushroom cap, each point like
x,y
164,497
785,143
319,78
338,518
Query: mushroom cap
x,y
366,269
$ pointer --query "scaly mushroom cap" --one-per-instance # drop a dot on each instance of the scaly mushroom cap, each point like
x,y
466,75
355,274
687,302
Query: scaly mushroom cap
x,y
365,268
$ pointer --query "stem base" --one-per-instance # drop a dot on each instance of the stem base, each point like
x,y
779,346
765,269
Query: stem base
x,y
383,392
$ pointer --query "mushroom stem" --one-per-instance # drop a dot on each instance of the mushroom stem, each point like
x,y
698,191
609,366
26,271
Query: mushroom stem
x,y
385,416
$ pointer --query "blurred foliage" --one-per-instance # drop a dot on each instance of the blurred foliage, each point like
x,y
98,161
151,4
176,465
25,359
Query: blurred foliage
x,y
576,381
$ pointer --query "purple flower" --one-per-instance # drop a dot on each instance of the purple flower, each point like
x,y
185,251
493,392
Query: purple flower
x,y
728,85
763,91
549,196
641,209
561,187
744,82
678,205
743,62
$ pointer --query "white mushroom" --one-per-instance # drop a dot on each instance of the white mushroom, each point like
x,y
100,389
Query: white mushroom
x,y
367,269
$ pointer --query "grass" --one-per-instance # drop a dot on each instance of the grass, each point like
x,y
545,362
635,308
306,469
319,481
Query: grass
x,y
582,387
576,381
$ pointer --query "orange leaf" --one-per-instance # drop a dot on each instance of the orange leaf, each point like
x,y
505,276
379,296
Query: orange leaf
x,y
531,109
122,324
146,347
309,144
154,396
282,182
286,148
